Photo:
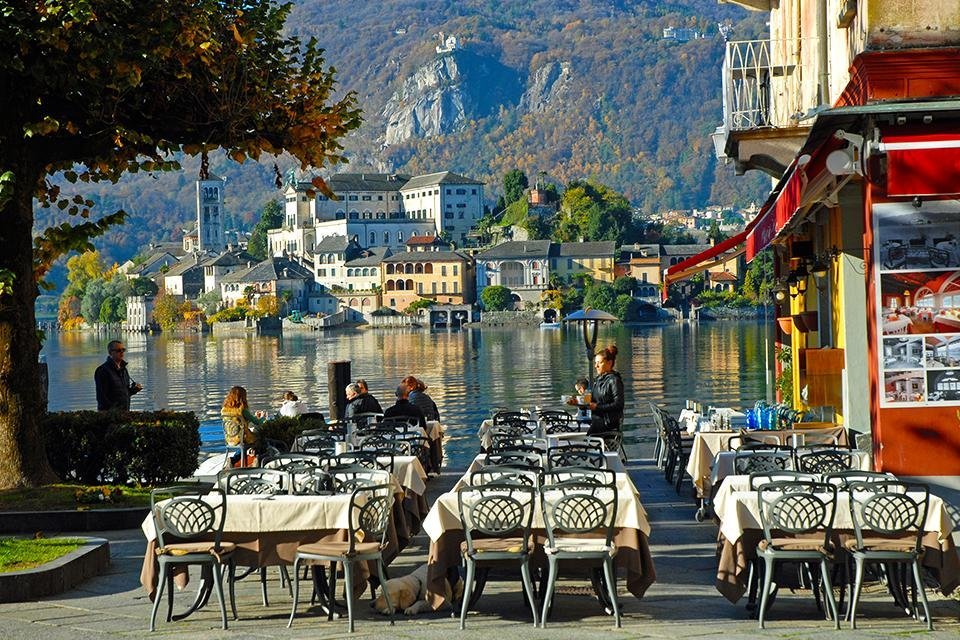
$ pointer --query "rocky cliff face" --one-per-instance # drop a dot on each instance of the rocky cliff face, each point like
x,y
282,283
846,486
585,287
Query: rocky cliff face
x,y
546,87
440,96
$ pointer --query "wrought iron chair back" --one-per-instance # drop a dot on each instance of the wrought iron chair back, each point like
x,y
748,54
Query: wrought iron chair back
x,y
253,481
889,509
796,508
510,417
400,423
578,508
393,446
312,481
582,475
338,429
368,459
347,478
827,461
575,456
366,419
370,508
284,461
315,443
506,474
188,513
498,511
521,458
843,479
762,461
764,477
504,441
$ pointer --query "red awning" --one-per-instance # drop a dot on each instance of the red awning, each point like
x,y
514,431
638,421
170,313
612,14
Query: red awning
x,y
791,194
921,163
717,254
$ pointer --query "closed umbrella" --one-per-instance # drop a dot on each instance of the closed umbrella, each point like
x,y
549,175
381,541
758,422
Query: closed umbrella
x,y
590,319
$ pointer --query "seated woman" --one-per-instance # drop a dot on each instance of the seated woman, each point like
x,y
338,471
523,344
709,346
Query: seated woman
x,y
237,420
291,407
607,401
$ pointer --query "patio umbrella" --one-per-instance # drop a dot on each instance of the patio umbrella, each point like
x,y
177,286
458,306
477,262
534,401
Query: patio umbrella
x,y
590,320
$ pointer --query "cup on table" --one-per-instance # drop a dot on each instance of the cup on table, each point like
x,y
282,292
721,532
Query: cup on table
x,y
586,398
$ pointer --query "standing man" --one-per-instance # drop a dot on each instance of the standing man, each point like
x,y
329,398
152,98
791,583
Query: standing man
x,y
114,387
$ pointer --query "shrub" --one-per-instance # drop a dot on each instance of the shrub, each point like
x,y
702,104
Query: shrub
x,y
149,447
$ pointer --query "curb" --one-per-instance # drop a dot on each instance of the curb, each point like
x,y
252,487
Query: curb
x,y
88,520
64,573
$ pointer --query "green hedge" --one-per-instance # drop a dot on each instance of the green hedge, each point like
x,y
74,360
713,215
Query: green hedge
x,y
284,430
149,447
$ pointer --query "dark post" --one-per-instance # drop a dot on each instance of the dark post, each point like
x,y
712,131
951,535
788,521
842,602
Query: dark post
x,y
338,377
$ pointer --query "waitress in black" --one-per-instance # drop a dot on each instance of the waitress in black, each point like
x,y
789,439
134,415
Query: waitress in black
x,y
607,401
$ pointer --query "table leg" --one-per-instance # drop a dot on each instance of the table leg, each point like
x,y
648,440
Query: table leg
x,y
203,593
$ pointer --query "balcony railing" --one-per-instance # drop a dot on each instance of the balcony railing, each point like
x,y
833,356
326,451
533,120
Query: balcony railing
x,y
769,83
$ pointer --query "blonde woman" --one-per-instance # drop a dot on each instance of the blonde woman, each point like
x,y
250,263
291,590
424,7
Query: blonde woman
x,y
237,419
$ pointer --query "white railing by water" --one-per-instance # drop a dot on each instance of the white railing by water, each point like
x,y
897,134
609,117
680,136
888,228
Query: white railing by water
x,y
769,83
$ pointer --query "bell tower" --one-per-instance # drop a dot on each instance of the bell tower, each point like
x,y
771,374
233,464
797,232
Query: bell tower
x,y
210,235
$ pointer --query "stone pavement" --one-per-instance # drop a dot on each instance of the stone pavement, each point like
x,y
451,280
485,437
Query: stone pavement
x,y
682,603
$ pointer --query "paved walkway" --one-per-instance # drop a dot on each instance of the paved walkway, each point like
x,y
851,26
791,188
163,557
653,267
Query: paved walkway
x,y
683,602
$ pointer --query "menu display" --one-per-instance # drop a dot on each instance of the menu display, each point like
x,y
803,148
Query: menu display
x,y
917,262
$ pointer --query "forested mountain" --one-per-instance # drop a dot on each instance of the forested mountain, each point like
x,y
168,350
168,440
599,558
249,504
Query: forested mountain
x,y
567,89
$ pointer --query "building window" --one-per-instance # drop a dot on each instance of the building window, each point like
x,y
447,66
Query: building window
x,y
399,237
569,264
456,286
321,273
444,286
455,269
393,302
354,215
448,215
448,192
373,238
443,270
473,192
366,198
461,215
433,287
461,192
419,287
386,237
351,197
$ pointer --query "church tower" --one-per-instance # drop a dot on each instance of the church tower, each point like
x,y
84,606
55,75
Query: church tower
x,y
210,235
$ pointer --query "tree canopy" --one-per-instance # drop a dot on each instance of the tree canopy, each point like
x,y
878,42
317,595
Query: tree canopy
x,y
496,298
97,88
270,218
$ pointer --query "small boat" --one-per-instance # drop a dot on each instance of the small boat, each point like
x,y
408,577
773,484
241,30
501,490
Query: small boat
x,y
549,325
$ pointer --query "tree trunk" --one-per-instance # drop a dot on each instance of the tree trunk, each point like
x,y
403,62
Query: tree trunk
x,y
23,458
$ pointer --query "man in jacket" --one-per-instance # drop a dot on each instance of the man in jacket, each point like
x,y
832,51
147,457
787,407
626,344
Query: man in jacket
x,y
405,409
114,387
360,402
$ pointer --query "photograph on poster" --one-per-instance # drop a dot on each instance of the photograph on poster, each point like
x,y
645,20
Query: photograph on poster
x,y
904,387
942,352
916,302
902,353
924,238
943,386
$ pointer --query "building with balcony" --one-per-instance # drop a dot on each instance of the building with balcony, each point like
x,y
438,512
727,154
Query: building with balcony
x,y
446,277
523,267
571,259
854,109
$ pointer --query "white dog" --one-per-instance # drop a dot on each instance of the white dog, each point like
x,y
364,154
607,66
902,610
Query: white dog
x,y
409,593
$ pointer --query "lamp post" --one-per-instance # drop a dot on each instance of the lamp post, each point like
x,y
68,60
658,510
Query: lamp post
x,y
590,319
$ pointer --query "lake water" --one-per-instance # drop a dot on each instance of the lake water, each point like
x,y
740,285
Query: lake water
x,y
468,372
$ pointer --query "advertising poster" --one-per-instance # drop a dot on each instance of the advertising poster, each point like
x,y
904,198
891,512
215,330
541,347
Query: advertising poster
x,y
917,266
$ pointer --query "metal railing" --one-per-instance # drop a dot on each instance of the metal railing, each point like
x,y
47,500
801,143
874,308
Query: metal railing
x,y
769,83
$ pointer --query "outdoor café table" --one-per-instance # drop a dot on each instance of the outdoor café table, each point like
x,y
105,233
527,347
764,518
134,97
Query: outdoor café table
x,y
268,529
630,537
435,432
707,444
741,530
410,475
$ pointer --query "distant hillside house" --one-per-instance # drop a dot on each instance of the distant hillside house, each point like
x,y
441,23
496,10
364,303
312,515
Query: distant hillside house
x,y
186,277
427,243
281,277
525,267
642,262
721,280
363,271
447,277
329,257
228,261
158,258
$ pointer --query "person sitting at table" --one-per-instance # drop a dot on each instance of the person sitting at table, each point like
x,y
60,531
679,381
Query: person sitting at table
x,y
606,406
582,387
404,408
359,402
419,397
292,406
372,401
239,423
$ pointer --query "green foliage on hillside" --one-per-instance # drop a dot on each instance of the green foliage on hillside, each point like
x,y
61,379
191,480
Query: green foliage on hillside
x,y
636,114
270,218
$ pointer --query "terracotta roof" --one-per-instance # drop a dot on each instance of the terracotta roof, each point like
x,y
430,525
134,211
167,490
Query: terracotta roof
x,y
422,240
722,276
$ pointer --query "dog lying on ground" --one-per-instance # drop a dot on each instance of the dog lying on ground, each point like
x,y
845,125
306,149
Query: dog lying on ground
x,y
409,593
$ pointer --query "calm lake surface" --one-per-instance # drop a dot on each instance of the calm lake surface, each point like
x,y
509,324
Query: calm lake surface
x,y
468,372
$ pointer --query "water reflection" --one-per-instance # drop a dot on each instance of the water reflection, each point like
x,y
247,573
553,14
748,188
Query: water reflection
x,y
467,372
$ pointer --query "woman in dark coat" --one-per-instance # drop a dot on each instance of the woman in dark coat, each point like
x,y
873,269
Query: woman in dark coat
x,y
606,406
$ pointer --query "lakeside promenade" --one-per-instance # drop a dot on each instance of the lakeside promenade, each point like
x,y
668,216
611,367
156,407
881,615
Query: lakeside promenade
x,y
682,603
